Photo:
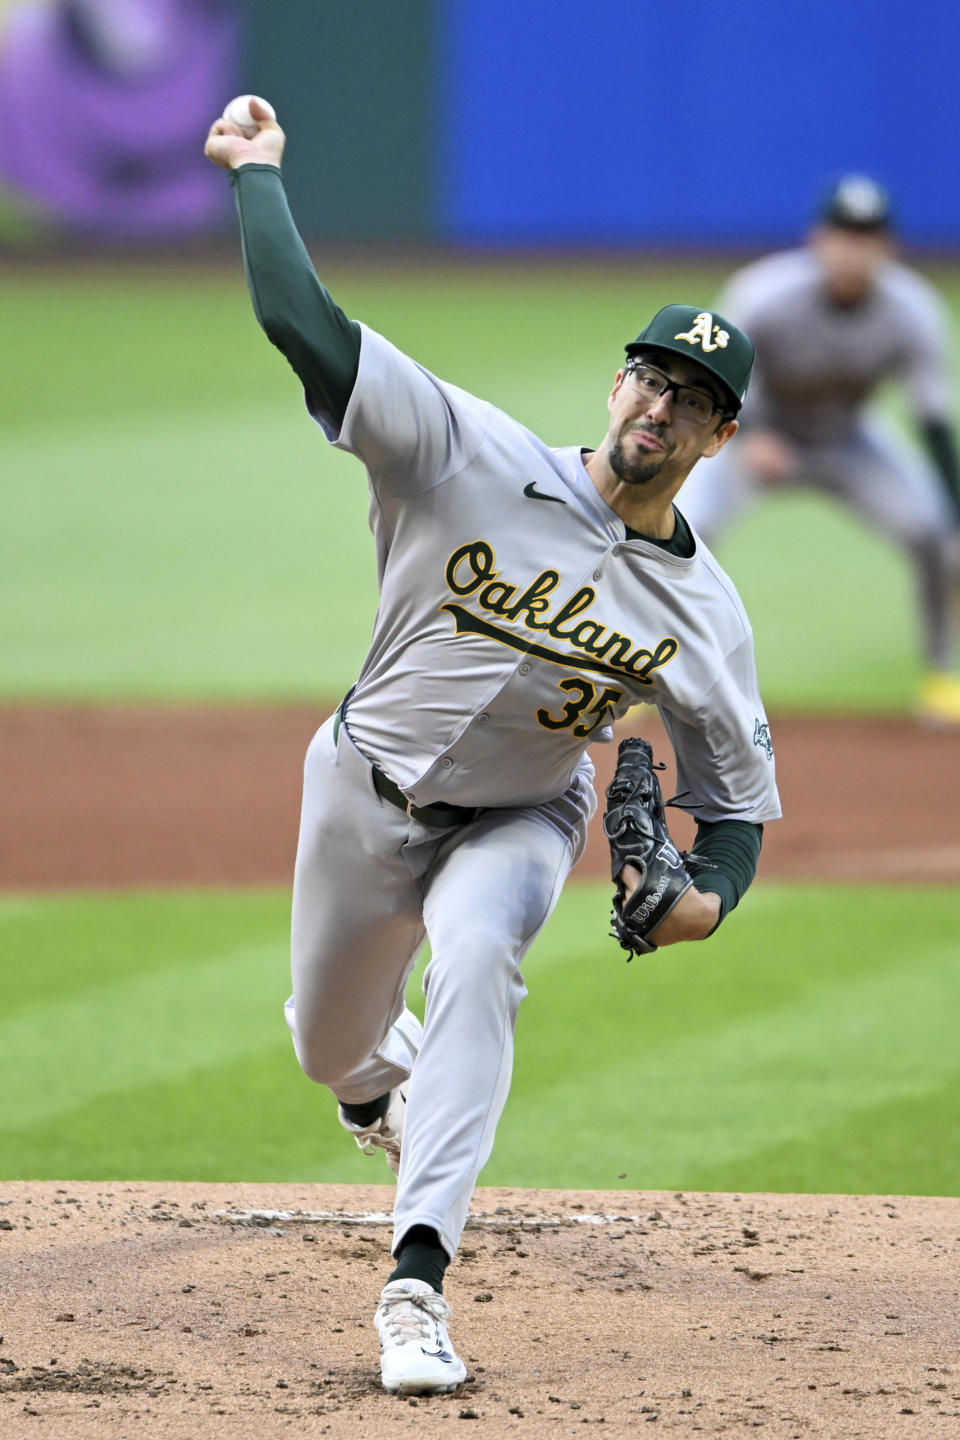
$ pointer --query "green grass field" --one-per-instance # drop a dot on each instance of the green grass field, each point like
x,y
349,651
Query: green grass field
x,y
809,1047
174,525
175,528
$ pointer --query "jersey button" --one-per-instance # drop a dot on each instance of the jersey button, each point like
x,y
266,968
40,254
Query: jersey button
x,y
597,573
525,668
482,719
617,550
446,763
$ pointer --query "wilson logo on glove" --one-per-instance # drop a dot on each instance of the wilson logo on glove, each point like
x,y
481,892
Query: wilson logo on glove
x,y
636,830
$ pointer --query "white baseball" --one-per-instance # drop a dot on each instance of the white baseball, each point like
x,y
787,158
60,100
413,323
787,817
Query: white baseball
x,y
238,113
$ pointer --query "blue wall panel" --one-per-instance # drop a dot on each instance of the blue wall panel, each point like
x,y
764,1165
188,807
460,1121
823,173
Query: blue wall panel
x,y
565,121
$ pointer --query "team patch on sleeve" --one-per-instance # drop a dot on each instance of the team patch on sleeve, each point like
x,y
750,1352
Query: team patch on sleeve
x,y
761,737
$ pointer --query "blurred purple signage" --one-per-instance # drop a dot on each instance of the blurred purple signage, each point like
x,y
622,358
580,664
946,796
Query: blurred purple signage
x,y
105,107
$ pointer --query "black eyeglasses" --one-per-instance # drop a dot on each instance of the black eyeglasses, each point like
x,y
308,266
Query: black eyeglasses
x,y
692,404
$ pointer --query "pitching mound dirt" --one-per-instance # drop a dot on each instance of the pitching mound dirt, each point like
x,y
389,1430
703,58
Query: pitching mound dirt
x,y
246,1310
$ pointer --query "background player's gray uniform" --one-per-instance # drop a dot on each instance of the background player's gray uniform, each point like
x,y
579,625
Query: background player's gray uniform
x,y
512,629
817,367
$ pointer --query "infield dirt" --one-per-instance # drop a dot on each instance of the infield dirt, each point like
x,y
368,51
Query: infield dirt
x,y
124,796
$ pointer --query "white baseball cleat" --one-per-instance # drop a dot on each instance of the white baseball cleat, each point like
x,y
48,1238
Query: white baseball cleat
x,y
384,1134
416,1357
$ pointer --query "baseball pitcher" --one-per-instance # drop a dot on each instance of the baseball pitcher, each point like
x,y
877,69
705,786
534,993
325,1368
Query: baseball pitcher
x,y
529,597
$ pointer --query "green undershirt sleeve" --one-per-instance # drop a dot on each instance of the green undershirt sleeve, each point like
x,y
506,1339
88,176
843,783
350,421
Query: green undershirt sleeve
x,y
941,444
734,848
294,308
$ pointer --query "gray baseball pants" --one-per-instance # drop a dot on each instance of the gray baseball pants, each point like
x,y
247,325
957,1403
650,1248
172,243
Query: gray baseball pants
x,y
370,885
893,489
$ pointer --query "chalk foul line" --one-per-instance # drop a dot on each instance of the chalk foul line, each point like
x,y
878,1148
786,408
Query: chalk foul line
x,y
502,1219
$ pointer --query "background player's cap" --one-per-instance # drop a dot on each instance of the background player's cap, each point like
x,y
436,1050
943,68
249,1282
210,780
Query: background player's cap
x,y
857,203
707,338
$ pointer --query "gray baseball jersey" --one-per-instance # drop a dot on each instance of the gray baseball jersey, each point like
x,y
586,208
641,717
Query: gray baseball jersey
x,y
817,365
495,661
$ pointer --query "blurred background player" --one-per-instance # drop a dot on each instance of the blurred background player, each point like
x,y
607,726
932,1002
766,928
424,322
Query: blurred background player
x,y
832,321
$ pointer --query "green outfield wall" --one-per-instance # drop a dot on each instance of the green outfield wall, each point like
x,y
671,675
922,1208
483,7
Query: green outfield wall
x,y
355,78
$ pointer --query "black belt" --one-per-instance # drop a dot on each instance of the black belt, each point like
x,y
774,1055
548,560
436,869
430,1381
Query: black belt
x,y
441,814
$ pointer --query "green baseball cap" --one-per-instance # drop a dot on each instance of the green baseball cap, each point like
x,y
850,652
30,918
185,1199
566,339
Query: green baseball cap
x,y
707,338
856,202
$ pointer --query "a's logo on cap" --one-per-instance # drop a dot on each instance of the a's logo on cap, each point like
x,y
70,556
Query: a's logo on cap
x,y
704,333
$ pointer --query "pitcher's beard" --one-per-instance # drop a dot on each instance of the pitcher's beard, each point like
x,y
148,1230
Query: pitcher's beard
x,y
638,471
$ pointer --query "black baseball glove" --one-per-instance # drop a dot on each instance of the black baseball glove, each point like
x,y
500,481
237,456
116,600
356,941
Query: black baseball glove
x,y
634,824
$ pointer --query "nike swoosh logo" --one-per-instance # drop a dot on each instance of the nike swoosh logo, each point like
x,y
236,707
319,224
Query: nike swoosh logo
x,y
439,1355
532,493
